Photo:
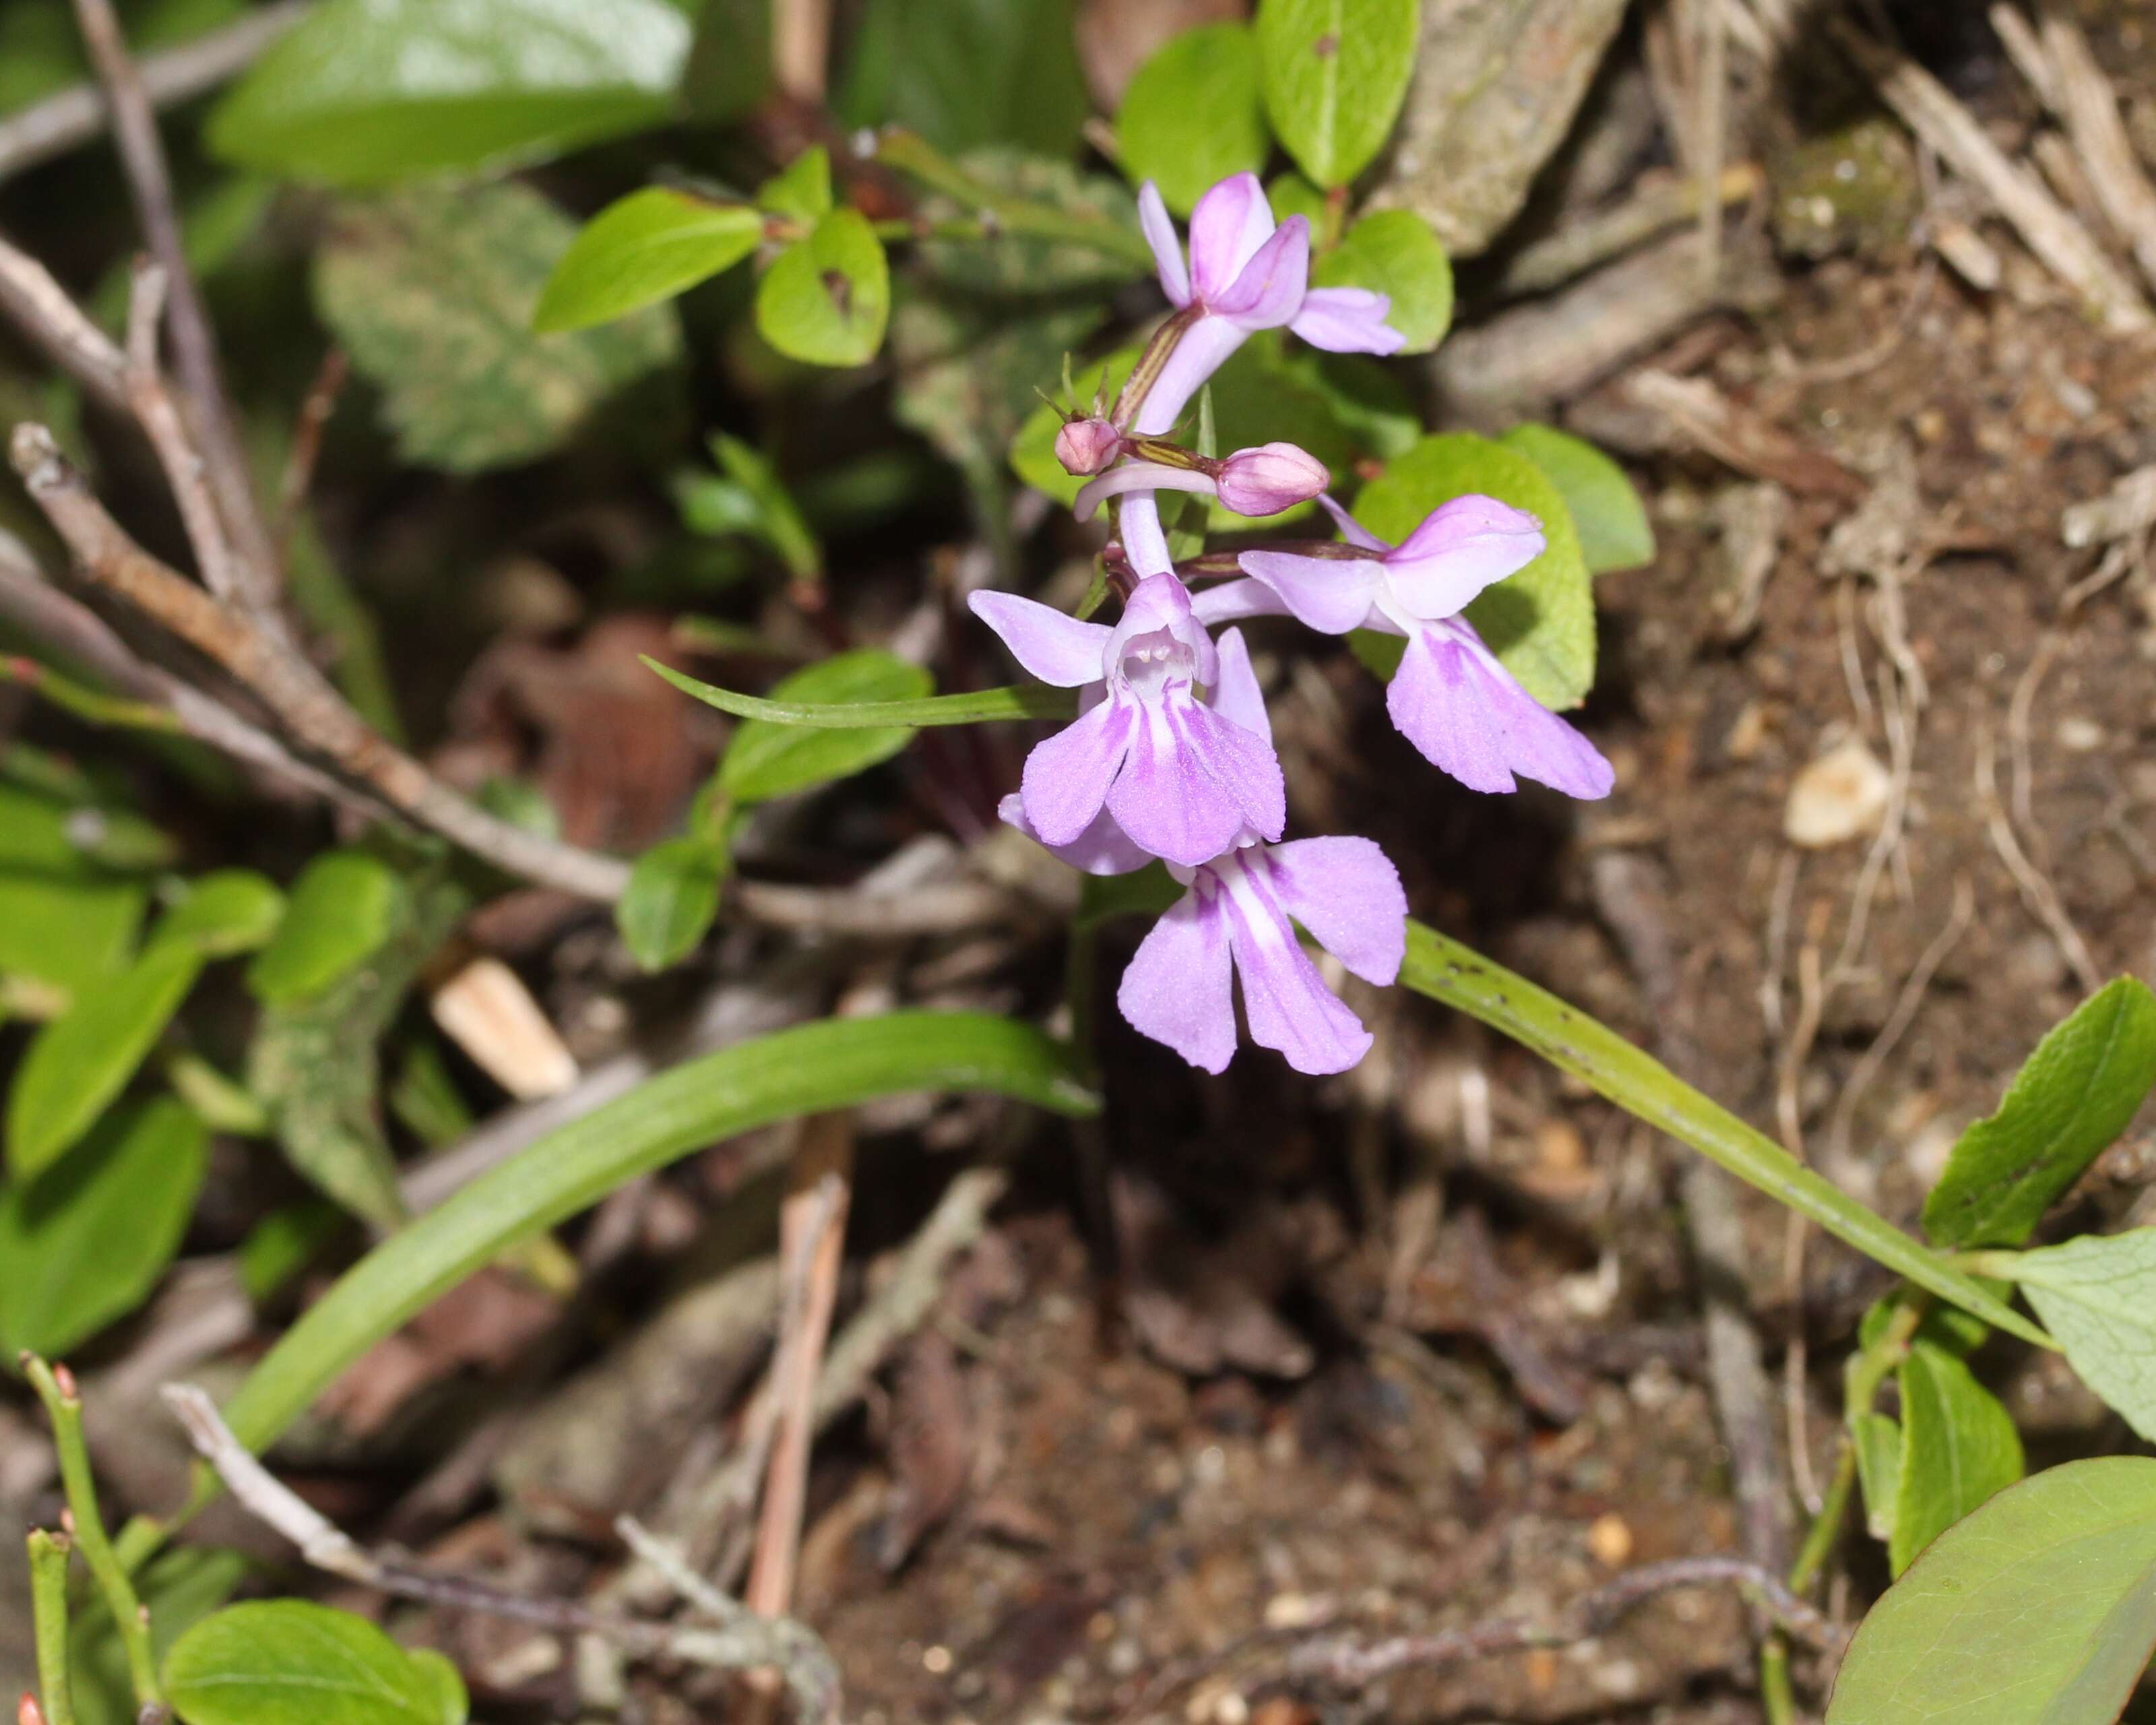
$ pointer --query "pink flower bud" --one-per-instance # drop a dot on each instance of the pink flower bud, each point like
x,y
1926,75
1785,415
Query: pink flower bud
x,y
1270,478
1086,446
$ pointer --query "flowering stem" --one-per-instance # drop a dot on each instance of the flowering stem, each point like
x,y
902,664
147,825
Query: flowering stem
x,y
56,1389
1641,1085
910,153
49,1610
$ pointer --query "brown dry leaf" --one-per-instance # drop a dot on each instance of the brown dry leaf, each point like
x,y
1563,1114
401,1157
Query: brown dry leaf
x,y
932,1445
488,1322
1204,1308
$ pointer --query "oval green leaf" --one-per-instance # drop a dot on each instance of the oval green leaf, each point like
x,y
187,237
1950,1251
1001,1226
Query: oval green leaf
x,y
1958,1450
827,299
1541,621
2097,1295
767,758
1194,113
1336,72
1397,254
647,247
673,894
82,1059
1573,1042
834,1064
343,907
277,1661
1614,529
230,911
2071,1099
84,1243
1024,700
70,933
2038,1609
368,92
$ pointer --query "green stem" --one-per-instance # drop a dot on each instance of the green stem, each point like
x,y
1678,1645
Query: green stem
x,y
49,1610
1574,1043
93,707
910,153
64,1407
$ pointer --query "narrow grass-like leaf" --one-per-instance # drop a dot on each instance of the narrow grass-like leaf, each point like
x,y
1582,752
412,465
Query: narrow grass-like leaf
x,y
833,1063
1575,1043
2038,1609
764,760
1025,701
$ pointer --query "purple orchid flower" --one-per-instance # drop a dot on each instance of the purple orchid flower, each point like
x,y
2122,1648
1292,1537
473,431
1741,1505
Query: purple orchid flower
x,y
1244,274
1180,778
1235,921
1452,697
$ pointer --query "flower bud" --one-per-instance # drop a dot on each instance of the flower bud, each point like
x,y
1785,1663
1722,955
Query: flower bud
x,y
1088,446
1270,479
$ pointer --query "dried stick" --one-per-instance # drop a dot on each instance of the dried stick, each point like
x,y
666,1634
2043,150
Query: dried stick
x,y
2084,100
159,419
60,122
40,307
801,47
194,337
2037,892
1332,1658
2060,242
314,714
738,1642
1596,238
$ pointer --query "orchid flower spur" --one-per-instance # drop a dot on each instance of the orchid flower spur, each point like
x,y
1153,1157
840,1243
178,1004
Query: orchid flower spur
x,y
1261,481
1183,780
1452,697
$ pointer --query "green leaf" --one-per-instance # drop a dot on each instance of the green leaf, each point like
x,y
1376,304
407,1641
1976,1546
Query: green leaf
x,y
284,1243
1958,1450
368,92
1573,1042
432,292
82,1059
280,1662
1397,254
729,70
1539,621
1094,215
230,911
834,1064
802,191
1194,115
448,1683
1336,72
342,908
2038,1609
50,835
770,511
766,758
1614,529
180,1588
2071,1099
827,299
85,1242
672,897
1877,1439
314,1062
69,933
966,72
647,247
1144,892
2096,1294
1024,700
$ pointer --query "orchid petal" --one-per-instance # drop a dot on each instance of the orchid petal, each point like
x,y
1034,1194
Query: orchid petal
x,y
1286,1000
1140,476
1067,777
1331,595
1347,320
1102,849
1453,701
1167,250
1351,530
1232,601
1461,547
1241,760
1165,798
1053,647
1270,288
1177,988
1161,604
1145,543
1230,222
1206,345
1236,696
1348,895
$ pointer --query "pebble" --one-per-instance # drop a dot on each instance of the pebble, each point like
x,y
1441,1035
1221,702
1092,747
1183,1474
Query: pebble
x,y
1841,795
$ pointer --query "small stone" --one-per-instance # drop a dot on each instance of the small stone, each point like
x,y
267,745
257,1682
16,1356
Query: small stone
x,y
1610,1537
1840,796
2080,735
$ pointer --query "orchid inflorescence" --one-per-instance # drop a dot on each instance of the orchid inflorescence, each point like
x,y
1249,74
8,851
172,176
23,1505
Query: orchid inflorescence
x,y
1171,756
